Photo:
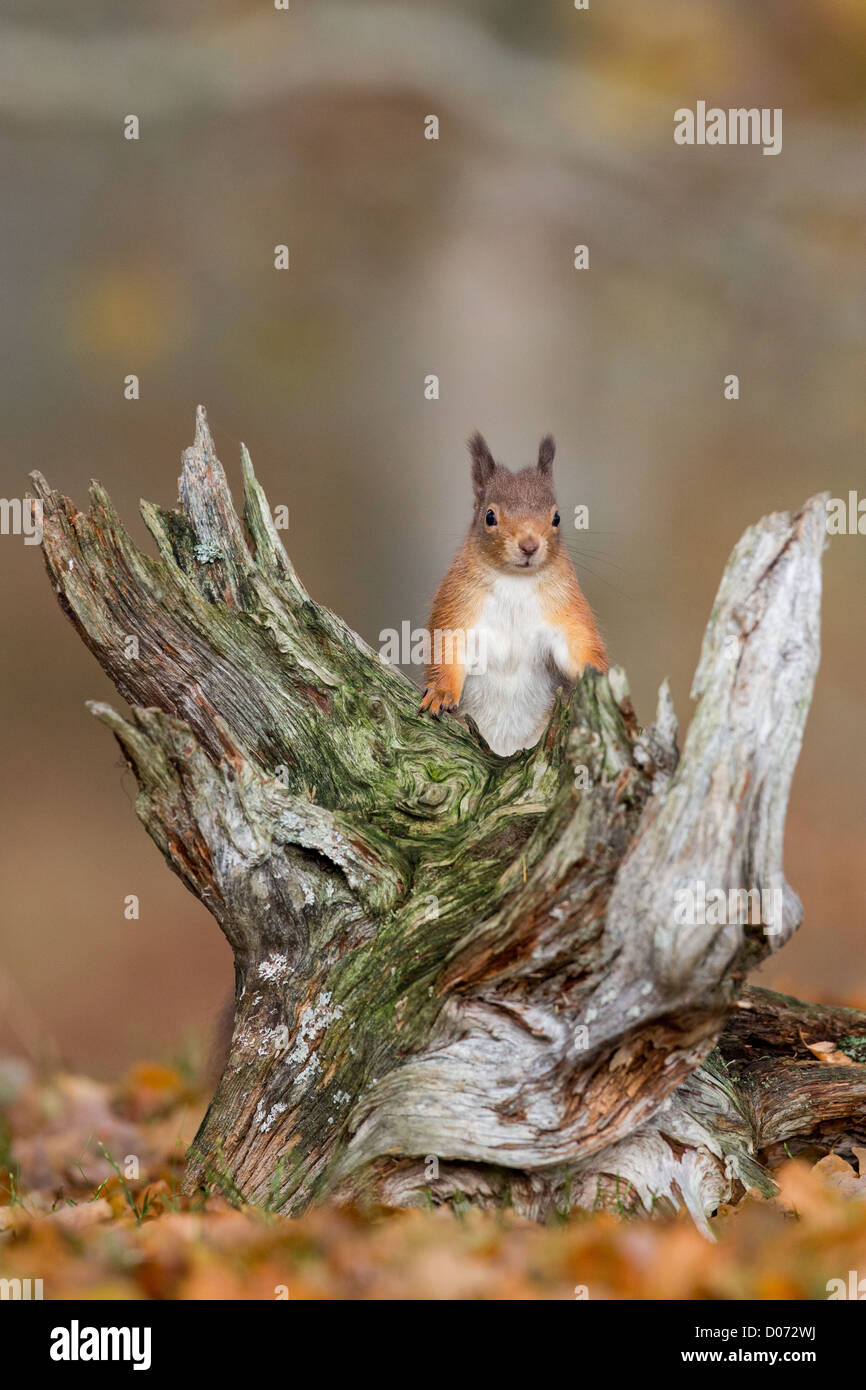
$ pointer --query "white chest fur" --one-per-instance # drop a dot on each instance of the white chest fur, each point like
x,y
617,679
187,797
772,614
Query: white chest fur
x,y
518,660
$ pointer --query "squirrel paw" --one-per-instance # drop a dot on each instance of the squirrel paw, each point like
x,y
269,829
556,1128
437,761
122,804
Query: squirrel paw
x,y
436,701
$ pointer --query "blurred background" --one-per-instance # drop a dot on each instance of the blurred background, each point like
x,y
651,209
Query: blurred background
x,y
412,257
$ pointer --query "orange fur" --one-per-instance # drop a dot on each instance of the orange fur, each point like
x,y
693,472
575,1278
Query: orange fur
x,y
514,532
456,607
565,607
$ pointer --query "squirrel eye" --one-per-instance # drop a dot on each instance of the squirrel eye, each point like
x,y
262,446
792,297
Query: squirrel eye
x,y
556,518
490,517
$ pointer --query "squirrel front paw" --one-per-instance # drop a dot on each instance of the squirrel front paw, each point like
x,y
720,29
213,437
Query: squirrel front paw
x,y
437,699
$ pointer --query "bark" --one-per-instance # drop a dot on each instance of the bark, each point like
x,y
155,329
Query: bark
x,y
459,976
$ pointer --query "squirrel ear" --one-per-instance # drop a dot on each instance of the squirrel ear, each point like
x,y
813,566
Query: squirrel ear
x,y
482,463
546,452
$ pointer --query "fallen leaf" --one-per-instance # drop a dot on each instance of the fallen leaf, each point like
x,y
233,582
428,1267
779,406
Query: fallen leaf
x,y
841,1176
828,1052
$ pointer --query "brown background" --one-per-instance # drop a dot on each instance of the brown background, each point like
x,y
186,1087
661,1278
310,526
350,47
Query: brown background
x,y
411,257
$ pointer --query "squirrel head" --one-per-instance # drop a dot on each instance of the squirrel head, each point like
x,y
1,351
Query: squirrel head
x,y
515,523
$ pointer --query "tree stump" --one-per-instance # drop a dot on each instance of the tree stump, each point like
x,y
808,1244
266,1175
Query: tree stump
x,y
461,977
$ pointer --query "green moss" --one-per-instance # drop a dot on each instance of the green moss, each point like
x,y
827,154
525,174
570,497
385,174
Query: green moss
x,y
854,1046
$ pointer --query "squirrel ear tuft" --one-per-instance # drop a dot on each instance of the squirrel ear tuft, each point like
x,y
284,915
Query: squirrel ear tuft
x,y
546,453
482,463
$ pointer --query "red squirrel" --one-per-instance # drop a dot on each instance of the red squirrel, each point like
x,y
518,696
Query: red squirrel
x,y
512,601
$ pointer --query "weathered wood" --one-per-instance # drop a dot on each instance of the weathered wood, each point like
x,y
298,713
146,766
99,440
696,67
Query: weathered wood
x,y
448,962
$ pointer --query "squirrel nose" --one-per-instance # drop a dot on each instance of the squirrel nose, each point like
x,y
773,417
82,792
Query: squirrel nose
x,y
528,545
